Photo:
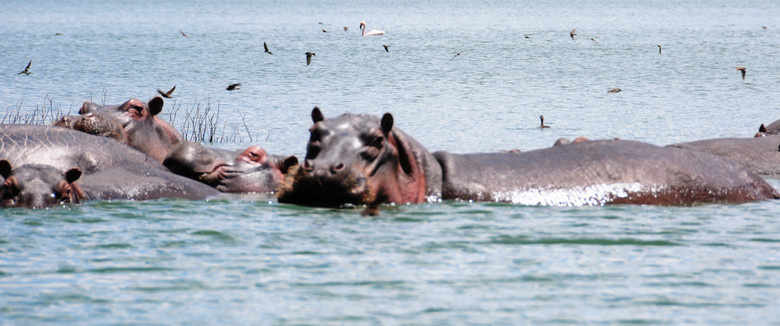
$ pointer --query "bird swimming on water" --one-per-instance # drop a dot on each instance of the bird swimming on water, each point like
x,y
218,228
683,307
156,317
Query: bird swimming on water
x,y
308,57
373,32
541,117
168,93
234,87
26,70
659,48
265,46
743,70
614,90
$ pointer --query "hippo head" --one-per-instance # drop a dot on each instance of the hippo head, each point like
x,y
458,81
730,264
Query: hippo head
x,y
93,124
247,171
356,159
38,186
141,126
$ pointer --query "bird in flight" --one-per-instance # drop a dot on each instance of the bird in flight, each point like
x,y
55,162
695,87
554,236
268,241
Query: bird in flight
x,y
168,93
614,90
265,46
308,57
456,55
573,33
743,70
26,70
183,34
386,47
234,87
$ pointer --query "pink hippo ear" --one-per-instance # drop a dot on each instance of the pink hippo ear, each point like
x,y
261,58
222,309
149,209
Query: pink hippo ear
x,y
155,105
316,115
72,175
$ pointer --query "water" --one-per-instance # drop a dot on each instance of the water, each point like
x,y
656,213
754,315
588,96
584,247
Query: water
x,y
250,260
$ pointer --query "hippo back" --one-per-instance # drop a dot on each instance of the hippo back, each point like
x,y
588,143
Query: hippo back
x,y
760,154
598,173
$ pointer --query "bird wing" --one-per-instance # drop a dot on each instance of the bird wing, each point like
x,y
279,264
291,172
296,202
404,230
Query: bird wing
x,y
265,46
28,65
171,91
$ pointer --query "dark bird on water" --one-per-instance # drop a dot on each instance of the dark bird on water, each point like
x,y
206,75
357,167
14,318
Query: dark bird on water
x,y
265,46
308,57
234,87
541,117
763,27
26,70
386,47
57,34
168,93
614,90
456,55
324,30
659,48
527,36
573,33
743,70
183,34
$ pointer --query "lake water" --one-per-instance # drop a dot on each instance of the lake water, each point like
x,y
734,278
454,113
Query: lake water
x,y
250,260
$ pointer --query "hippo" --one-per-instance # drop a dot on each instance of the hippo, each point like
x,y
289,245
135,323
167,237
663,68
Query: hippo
x,y
45,165
760,154
361,159
141,128
247,171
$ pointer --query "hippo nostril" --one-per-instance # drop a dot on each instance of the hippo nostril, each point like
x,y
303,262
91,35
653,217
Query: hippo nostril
x,y
338,168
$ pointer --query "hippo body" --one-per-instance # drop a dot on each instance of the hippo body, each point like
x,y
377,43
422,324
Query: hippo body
x,y
243,171
760,154
108,169
360,159
600,172
141,128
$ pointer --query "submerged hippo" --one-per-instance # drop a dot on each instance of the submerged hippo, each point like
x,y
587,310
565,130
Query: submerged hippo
x,y
760,154
247,171
141,128
360,159
43,166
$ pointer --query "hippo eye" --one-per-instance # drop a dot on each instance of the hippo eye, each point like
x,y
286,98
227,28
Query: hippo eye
x,y
377,142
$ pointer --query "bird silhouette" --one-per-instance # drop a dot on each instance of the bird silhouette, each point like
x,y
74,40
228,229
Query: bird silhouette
x,y
541,117
594,40
614,90
659,48
346,28
183,34
743,70
573,33
308,57
527,36
265,46
57,34
324,30
26,70
386,47
456,55
234,87
168,93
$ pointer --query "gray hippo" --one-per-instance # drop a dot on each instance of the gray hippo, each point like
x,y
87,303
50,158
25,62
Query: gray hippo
x,y
43,166
761,153
244,171
361,159
141,128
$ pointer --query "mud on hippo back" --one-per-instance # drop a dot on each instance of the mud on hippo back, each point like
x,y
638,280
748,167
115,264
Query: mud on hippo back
x,y
360,159
244,171
50,165
133,122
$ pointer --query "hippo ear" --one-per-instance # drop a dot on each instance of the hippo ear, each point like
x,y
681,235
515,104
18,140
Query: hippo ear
x,y
155,105
316,115
387,123
287,163
72,175
762,128
5,168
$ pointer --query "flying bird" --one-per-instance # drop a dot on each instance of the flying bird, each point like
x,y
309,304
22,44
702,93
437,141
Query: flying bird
x,y
373,32
57,34
346,28
386,47
167,94
541,117
26,70
456,55
308,57
234,87
594,40
743,70
183,34
614,90
324,30
659,48
573,33
265,46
